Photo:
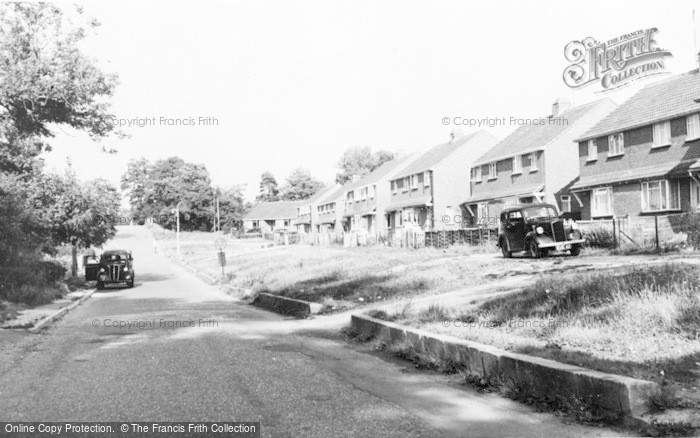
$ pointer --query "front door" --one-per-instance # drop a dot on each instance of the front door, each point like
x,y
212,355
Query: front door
x,y
694,196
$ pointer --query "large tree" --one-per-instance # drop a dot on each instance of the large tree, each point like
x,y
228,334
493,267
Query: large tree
x,y
359,161
300,185
46,79
232,207
269,191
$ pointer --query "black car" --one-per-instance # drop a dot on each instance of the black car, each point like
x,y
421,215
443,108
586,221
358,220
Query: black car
x,y
537,229
114,266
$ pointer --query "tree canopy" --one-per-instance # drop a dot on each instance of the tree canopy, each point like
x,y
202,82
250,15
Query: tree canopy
x,y
359,161
300,185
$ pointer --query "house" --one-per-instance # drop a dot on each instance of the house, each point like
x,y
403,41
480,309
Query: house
x,y
330,211
271,216
534,163
432,186
642,159
367,198
307,211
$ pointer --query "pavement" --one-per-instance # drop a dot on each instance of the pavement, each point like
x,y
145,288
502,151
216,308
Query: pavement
x,y
176,349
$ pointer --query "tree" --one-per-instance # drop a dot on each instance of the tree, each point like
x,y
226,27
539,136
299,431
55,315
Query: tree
x,y
232,207
134,182
268,188
300,185
359,161
46,79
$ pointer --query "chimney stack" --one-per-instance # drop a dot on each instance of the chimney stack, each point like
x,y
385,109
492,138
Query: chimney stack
x,y
455,134
560,106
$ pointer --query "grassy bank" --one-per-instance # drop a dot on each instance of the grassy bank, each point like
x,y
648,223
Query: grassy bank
x,y
642,322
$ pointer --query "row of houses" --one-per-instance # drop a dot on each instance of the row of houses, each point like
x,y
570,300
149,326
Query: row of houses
x,y
593,161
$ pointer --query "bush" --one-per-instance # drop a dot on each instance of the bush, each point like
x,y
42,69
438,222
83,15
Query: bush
x,y
599,237
33,283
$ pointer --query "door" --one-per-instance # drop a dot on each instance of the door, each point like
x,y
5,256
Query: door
x,y
92,265
515,231
694,196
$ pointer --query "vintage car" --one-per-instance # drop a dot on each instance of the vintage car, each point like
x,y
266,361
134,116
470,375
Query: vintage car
x,y
537,229
113,266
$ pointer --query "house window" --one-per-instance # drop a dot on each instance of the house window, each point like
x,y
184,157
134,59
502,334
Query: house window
x,y
662,134
255,224
351,196
660,195
426,179
592,150
373,192
286,222
566,204
493,174
517,164
363,193
482,212
616,144
476,174
414,182
602,202
393,187
406,182
692,126
533,162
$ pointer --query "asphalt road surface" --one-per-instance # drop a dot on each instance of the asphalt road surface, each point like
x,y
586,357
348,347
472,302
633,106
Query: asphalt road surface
x,y
193,353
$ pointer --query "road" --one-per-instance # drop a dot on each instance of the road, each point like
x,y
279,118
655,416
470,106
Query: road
x,y
200,355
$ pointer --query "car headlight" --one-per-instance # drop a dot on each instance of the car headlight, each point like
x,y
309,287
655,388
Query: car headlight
x,y
574,226
539,230
572,236
102,269
126,269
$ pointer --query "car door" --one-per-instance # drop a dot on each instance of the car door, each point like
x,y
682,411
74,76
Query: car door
x,y
515,230
92,265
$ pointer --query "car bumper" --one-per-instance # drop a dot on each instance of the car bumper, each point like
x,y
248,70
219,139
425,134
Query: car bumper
x,y
562,245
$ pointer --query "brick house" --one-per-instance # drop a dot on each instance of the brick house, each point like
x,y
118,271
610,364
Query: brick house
x,y
533,164
331,208
271,216
642,160
367,198
433,185
307,211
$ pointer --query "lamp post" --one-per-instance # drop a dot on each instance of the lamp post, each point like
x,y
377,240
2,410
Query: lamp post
x,y
176,212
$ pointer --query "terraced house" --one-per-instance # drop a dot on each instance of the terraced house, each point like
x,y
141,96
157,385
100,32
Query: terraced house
x,y
428,192
643,158
307,211
331,208
533,164
271,216
367,198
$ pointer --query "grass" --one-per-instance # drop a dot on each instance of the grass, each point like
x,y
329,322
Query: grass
x,y
642,322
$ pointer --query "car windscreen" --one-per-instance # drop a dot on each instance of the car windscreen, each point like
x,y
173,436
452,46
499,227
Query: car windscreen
x,y
112,258
539,212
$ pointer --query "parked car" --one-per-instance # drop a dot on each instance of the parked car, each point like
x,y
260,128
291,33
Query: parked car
x,y
113,267
537,229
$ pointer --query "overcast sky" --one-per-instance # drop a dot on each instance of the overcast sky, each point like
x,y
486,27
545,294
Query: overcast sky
x,y
296,83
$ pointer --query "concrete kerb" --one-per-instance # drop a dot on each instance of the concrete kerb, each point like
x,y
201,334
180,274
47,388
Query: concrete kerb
x,y
286,306
615,396
51,318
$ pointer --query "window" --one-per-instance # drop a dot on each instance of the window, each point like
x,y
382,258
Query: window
x,y
426,179
414,182
373,192
351,195
286,222
517,164
592,150
602,202
476,174
616,144
363,193
255,224
660,195
692,126
533,162
406,182
493,173
565,204
393,187
482,212
662,134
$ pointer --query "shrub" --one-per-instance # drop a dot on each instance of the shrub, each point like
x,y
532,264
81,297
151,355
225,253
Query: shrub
x,y
599,237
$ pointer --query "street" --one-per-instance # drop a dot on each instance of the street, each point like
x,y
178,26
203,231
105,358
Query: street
x,y
176,349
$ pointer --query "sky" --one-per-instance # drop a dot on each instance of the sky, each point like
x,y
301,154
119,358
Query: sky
x,y
294,84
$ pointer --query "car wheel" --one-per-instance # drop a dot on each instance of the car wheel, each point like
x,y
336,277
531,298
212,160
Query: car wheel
x,y
534,249
130,283
100,285
575,250
506,254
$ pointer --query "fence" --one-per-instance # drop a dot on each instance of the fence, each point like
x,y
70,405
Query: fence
x,y
464,236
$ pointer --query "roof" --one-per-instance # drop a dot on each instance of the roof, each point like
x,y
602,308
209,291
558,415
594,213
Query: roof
x,y
333,195
529,138
274,210
498,193
435,155
655,102
634,174
116,251
410,202
378,173
364,212
521,206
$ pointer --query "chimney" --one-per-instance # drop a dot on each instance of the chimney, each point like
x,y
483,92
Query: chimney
x,y
560,106
456,133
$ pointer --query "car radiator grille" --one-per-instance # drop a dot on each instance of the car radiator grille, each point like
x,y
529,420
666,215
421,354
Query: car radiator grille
x,y
114,272
558,231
